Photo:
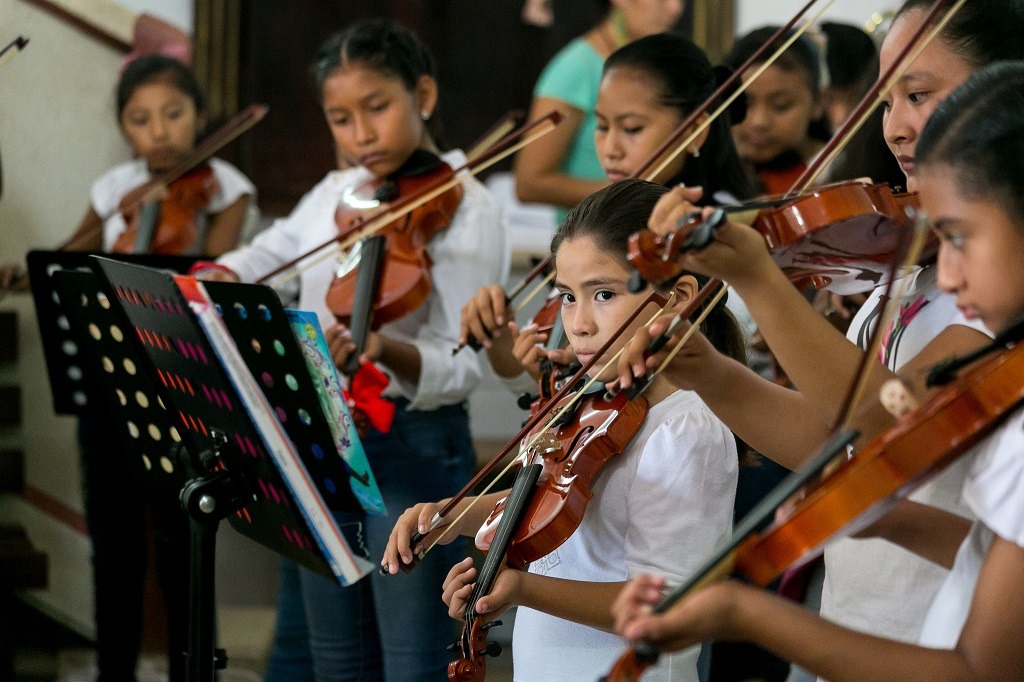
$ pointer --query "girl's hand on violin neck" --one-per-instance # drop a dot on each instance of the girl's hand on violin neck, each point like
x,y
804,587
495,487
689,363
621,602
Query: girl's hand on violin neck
x,y
484,316
692,369
738,255
528,347
339,341
458,589
9,273
706,615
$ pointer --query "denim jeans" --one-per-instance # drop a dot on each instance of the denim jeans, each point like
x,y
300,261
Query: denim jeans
x,y
382,627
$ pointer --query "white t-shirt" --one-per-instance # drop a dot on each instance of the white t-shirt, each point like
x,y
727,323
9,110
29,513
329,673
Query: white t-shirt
x,y
662,506
872,585
471,252
112,186
994,491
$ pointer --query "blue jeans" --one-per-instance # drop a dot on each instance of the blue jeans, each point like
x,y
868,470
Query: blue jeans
x,y
382,627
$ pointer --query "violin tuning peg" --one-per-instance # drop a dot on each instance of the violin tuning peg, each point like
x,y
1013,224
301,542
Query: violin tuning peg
x,y
525,400
493,649
492,624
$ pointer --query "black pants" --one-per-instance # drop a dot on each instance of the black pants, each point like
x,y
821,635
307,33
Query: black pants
x,y
118,505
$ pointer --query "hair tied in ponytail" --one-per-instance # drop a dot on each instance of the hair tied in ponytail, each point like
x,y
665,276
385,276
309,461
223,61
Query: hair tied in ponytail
x,y
738,109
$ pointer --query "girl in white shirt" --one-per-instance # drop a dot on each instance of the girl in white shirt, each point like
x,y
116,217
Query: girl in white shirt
x,y
970,177
379,92
665,501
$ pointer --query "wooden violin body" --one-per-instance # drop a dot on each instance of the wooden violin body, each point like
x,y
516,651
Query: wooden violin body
x,y
842,235
405,278
951,421
176,228
572,456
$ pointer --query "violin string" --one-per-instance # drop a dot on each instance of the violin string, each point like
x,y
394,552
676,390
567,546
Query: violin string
x,y
890,81
706,123
576,397
382,220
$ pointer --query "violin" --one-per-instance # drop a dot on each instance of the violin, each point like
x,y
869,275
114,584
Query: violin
x,y
169,225
842,235
405,277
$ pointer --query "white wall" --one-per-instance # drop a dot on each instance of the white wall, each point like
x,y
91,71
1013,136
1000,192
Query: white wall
x,y
751,14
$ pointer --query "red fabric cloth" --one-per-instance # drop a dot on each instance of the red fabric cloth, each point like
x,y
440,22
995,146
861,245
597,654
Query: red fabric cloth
x,y
364,395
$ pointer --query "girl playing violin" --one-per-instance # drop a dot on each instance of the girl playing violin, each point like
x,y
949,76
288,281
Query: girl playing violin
x,y
869,585
785,123
647,89
161,111
665,501
378,86
970,177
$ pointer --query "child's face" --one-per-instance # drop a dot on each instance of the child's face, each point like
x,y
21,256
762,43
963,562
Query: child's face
x,y
928,81
595,299
981,249
161,123
374,119
647,17
780,107
632,124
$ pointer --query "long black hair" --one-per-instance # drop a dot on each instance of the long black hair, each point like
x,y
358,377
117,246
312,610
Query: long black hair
x,y
385,47
609,216
978,131
686,79
981,31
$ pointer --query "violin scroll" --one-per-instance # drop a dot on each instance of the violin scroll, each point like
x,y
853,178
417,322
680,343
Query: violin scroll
x,y
655,257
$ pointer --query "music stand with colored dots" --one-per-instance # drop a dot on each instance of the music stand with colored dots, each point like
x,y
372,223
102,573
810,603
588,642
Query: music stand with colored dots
x,y
252,433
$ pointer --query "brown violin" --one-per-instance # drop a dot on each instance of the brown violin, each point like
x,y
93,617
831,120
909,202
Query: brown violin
x,y
951,420
168,225
405,277
842,235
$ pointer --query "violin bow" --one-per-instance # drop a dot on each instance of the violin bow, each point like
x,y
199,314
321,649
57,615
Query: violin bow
x,y
238,124
918,42
509,145
12,50
570,385
670,149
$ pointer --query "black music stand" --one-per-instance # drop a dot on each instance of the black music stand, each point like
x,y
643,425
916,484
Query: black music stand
x,y
69,385
231,453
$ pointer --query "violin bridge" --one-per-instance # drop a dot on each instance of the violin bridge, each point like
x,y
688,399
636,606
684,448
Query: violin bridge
x,y
545,445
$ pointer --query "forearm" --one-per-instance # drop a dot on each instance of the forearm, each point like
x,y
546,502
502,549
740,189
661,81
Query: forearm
x,y
833,652
501,358
754,408
555,188
931,533
573,600
401,358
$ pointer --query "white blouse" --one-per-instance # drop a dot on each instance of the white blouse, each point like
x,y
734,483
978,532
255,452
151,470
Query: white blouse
x,y
473,251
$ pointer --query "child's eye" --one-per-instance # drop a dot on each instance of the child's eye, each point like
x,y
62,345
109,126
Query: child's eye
x,y
604,296
567,298
633,130
602,128
956,239
781,107
379,106
338,121
917,97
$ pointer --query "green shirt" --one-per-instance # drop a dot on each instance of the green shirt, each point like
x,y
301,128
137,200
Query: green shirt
x,y
573,76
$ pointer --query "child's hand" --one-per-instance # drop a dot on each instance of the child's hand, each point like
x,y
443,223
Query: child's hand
x,y
528,347
458,588
8,274
484,316
737,254
690,368
705,615
415,519
341,345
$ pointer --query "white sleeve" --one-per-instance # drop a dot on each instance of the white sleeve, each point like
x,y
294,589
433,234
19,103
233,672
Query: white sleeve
x,y
473,252
278,244
233,185
995,487
681,499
